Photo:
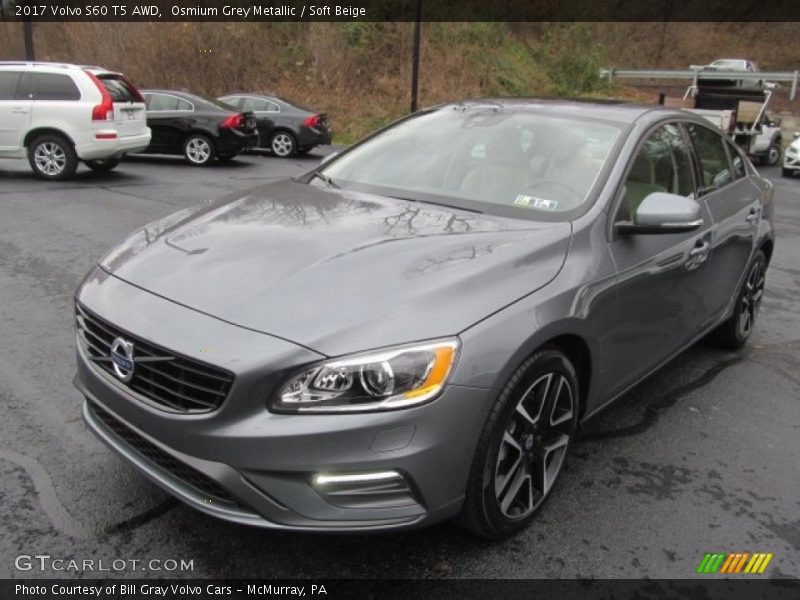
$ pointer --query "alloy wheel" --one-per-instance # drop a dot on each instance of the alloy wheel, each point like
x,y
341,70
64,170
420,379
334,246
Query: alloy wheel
x,y
282,144
752,294
534,445
50,158
198,150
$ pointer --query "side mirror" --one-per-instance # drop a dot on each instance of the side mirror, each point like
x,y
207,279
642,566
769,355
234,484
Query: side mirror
x,y
796,134
661,212
327,157
776,122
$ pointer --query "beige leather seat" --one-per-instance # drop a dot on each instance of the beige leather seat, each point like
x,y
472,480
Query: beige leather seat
x,y
502,177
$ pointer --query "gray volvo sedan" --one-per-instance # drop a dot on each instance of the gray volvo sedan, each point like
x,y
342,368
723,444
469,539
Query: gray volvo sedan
x,y
415,329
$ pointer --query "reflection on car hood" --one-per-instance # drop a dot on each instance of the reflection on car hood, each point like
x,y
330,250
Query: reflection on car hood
x,y
340,271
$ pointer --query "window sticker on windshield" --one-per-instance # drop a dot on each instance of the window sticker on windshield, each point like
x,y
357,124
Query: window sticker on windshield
x,y
534,202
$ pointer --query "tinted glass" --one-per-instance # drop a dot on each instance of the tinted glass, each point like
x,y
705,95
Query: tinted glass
x,y
118,88
528,163
8,84
184,105
54,86
710,149
662,164
737,163
161,102
232,101
255,104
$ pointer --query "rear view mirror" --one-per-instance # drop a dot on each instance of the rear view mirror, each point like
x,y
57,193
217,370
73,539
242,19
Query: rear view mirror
x,y
661,212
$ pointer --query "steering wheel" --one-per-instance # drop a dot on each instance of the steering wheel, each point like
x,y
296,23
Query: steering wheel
x,y
572,198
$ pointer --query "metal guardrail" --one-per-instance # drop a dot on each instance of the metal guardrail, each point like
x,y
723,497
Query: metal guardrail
x,y
695,73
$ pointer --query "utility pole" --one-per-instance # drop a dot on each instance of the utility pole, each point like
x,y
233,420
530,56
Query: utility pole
x,y
415,57
27,27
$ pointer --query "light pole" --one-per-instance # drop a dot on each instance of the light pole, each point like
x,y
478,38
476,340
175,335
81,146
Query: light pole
x,y
415,57
27,28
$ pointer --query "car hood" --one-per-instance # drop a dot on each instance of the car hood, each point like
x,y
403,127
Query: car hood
x,y
340,271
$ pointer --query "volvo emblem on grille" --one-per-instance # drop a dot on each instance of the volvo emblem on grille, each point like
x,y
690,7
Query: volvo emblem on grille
x,y
121,354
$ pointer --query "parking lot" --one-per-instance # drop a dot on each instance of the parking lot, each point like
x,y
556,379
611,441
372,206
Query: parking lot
x,y
701,457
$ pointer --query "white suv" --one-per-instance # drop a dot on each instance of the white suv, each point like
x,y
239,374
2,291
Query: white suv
x,y
57,115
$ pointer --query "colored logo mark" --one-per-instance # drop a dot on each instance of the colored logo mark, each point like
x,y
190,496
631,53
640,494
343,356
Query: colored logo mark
x,y
735,562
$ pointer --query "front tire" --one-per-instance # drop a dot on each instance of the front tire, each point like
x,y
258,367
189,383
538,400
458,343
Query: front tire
x,y
198,150
52,157
734,333
786,172
102,166
283,144
523,446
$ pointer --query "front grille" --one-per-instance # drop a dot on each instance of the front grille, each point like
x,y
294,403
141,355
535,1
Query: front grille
x,y
188,475
171,382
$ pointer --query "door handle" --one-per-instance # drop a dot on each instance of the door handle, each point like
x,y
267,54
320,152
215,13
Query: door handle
x,y
754,215
700,249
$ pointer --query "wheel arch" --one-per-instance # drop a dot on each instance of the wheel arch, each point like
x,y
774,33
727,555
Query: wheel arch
x,y
577,351
39,131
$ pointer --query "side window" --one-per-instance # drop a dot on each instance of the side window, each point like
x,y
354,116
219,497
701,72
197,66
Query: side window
x,y
710,148
54,86
184,105
662,164
234,101
272,107
156,102
254,105
8,84
737,163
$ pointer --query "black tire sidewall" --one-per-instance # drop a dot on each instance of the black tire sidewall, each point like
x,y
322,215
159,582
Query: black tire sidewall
x,y
736,337
71,164
102,166
495,525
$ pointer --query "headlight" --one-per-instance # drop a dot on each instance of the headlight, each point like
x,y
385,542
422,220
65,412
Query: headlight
x,y
383,380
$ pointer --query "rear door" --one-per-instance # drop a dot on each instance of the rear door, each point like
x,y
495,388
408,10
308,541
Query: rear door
x,y
130,118
15,113
170,119
735,206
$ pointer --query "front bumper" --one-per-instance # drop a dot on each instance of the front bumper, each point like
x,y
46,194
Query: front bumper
x,y
233,142
791,161
264,462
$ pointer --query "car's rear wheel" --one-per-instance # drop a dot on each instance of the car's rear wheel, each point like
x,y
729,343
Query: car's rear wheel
x,y
283,144
102,166
523,446
198,150
52,157
735,332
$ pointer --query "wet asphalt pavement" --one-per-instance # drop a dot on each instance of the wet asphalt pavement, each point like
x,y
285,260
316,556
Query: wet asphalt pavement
x,y
703,456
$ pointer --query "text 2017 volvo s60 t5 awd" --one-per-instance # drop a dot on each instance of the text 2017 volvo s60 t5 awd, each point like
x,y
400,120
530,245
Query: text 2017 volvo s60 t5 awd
x,y
415,329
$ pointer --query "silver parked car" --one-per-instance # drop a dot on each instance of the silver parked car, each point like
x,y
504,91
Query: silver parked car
x,y
416,329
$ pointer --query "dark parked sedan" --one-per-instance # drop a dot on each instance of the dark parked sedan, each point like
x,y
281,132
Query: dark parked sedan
x,y
284,128
197,128
416,329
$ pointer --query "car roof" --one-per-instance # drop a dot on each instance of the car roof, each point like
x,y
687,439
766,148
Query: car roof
x,y
47,66
619,111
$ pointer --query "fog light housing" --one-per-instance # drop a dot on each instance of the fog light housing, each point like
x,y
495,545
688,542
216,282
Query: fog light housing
x,y
376,489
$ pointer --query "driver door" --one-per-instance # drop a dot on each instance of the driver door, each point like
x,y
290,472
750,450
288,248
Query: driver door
x,y
661,277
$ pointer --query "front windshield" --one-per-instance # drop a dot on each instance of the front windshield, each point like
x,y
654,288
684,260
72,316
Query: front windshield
x,y
494,160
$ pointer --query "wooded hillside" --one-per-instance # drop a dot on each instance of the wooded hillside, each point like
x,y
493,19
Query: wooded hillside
x,y
360,72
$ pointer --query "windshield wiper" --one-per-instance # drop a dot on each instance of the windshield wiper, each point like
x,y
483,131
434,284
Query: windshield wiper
x,y
326,179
